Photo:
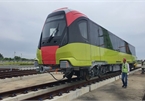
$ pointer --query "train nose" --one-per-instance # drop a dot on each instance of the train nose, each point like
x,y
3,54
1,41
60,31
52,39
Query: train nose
x,y
49,54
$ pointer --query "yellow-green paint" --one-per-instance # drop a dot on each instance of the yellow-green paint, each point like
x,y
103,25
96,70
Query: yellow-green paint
x,y
113,57
78,54
39,56
81,54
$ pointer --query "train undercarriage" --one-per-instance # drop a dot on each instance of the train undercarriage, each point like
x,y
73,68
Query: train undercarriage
x,y
84,72
87,72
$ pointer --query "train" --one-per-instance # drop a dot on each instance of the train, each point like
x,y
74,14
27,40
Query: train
x,y
80,47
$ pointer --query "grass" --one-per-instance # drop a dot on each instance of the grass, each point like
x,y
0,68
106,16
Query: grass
x,y
16,63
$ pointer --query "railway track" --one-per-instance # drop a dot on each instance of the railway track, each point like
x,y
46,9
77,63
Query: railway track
x,y
55,88
72,87
9,73
7,70
16,73
51,89
15,92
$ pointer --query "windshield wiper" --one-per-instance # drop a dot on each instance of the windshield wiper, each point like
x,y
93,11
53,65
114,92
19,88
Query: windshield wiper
x,y
53,33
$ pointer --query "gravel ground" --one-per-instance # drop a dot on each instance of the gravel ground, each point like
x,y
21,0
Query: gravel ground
x,y
29,81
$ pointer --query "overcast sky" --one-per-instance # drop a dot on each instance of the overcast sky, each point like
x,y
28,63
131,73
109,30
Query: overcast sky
x,y
21,22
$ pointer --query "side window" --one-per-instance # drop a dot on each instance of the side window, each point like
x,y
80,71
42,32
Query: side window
x,y
127,48
122,46
94,34
107,40
132,49
101,37
83,28
114,41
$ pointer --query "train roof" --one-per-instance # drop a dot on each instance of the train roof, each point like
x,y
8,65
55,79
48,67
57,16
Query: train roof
x,y
71,15
67,10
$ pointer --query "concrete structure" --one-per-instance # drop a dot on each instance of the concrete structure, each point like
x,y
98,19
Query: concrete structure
x,y
93,92
114,91
104,90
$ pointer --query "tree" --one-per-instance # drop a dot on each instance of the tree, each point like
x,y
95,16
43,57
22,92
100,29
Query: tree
x,y
6,58
1,56
17,58
24,59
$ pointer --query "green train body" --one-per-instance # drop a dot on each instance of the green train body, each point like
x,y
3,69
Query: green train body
x,y
73,43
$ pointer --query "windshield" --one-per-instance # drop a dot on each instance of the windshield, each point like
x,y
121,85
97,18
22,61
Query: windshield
x,y
51,26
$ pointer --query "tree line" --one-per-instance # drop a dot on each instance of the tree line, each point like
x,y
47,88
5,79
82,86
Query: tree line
x,y
16,58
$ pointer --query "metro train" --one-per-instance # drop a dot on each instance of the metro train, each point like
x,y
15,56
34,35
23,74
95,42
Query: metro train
x,y
78,46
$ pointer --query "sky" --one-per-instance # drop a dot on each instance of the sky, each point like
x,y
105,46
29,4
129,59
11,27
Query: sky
x,y
21,22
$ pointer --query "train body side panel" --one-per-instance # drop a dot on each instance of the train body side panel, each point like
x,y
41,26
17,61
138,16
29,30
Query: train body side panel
x,y
130,58
78,54
109,56
95,53
115,57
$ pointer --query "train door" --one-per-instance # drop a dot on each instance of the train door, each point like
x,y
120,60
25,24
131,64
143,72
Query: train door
x,y
95,41
83,29
101,43
106,47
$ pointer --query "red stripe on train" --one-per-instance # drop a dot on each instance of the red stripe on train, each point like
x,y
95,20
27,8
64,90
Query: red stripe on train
x,y
49,54
73,15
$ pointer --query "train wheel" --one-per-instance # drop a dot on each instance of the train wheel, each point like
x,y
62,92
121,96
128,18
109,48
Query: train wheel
x,y
69,76
104,70
97,71
86,75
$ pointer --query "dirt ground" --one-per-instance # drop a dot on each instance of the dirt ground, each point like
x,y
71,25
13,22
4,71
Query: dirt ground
x,y
115,92
29,81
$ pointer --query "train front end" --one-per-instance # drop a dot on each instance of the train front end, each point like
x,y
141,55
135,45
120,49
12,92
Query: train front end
x,y
52,37
59,46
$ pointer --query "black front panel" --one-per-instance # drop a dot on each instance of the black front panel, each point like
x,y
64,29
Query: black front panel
x,y
54,31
